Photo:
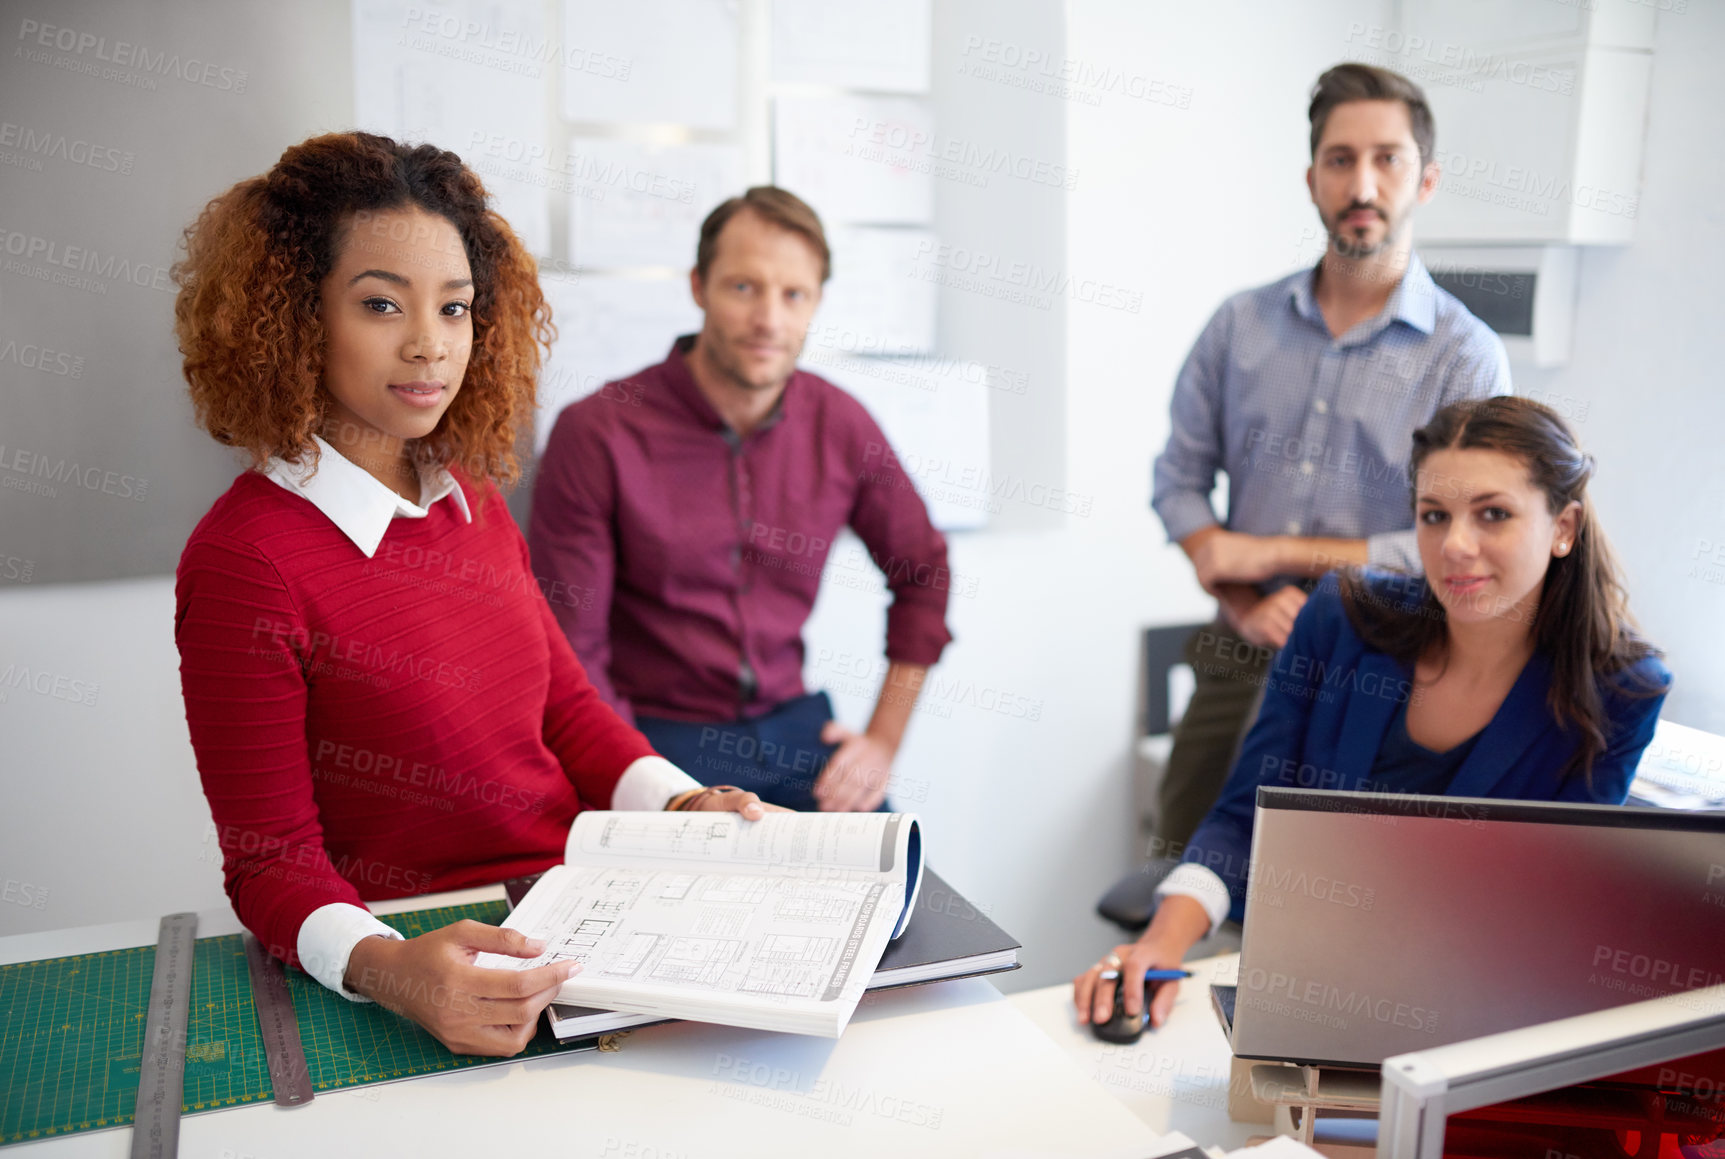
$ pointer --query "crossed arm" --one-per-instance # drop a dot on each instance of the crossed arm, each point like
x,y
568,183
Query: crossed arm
x,y
1228,563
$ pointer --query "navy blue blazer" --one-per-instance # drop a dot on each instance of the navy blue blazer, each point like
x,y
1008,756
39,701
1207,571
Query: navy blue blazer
x,y
1329,699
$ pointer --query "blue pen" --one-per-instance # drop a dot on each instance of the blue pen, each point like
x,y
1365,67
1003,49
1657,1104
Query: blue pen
x,y
1154,975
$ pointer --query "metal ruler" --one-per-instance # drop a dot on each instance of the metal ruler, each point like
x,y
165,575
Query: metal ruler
x,y
162,1073
289,1076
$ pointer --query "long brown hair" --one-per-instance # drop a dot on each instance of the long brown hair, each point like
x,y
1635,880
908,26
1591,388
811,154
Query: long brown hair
x,y
1581,623
247,311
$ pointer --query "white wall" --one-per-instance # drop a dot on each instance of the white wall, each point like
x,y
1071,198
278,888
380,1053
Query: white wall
x,y
103,817
1642,387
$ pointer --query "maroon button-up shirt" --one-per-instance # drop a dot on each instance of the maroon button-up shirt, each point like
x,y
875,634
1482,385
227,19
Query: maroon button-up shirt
x,y
683,560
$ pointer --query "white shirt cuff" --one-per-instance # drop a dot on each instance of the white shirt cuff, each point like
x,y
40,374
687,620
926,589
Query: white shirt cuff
x,y
647,784
1202,886
327,938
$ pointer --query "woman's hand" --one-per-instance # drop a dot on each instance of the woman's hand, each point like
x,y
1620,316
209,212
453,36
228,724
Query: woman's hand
x,y
741,801
1179,924
1093,994
470,1009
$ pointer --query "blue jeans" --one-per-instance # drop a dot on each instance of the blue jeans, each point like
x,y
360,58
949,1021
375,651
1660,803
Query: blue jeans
x,y
778,756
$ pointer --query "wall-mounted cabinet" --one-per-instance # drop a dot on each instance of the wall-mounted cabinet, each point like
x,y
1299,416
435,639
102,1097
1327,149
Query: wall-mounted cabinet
x,y
1540,108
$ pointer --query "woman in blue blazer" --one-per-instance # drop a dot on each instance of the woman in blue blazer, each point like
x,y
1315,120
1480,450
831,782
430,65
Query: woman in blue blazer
x,y
1511,669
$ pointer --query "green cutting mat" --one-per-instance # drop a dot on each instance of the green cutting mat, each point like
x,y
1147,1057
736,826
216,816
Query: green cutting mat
x,y
72,1031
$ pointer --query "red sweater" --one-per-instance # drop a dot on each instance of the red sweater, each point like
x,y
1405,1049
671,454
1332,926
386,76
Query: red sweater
x,y
372,728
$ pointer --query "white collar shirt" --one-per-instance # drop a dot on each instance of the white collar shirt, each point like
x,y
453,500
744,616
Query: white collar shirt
x,y
356,502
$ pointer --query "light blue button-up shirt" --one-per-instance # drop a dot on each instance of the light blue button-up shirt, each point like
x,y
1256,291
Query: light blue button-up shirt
x,y
1315,432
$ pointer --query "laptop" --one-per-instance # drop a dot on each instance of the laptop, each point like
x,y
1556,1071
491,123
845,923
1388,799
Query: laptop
x,y
1379,924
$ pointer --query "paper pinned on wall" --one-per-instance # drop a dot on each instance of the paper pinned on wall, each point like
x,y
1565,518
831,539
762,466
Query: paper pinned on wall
x,y
861,160
607,329
637,204
882,46
875,303
934,413
468,77
650,62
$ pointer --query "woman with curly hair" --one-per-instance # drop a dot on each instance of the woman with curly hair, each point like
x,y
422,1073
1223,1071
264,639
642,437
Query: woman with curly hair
x,y
380,701
1512,669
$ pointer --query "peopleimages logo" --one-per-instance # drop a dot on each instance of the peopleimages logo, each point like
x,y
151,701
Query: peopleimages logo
x,y
42,683
88,47
584,169
77,151
1070,77
1472,62
83,259
32,356
959,482
905,147
1270,885
937,694
817,1097
1020,281
1528,189
366,661
22,469
451,36
1267,987
1655,971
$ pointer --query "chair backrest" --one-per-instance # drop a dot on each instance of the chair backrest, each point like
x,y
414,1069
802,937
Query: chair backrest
x,y
1164,650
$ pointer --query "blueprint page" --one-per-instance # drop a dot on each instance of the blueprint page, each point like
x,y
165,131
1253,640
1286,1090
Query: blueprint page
x,y
776,924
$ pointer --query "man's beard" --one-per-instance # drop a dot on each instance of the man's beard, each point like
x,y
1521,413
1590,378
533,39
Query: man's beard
x,y
1346,246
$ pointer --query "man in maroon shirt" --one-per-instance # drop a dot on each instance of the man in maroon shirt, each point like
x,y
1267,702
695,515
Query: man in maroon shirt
x,y
681,525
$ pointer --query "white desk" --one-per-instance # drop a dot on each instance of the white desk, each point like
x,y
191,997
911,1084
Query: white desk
x,y
1175,1078
948,1069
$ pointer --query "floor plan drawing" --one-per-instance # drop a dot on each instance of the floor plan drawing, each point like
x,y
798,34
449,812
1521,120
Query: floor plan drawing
x,y
793,948
676,886
696,961
736,889
636,948
723,921
815,905
694,837
790,965
589,932
785,980
579,942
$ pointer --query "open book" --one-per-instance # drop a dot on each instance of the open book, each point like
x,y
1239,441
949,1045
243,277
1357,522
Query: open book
x,y
775,924
947,937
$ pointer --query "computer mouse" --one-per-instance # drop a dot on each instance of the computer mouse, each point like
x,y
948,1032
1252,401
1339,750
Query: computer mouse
x,y
1122,1027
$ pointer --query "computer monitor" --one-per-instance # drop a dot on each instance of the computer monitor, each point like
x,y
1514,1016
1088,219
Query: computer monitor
x,y
1646,1079
1383,924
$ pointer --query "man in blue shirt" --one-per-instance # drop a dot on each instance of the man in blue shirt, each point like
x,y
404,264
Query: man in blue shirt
x,y
1306,393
